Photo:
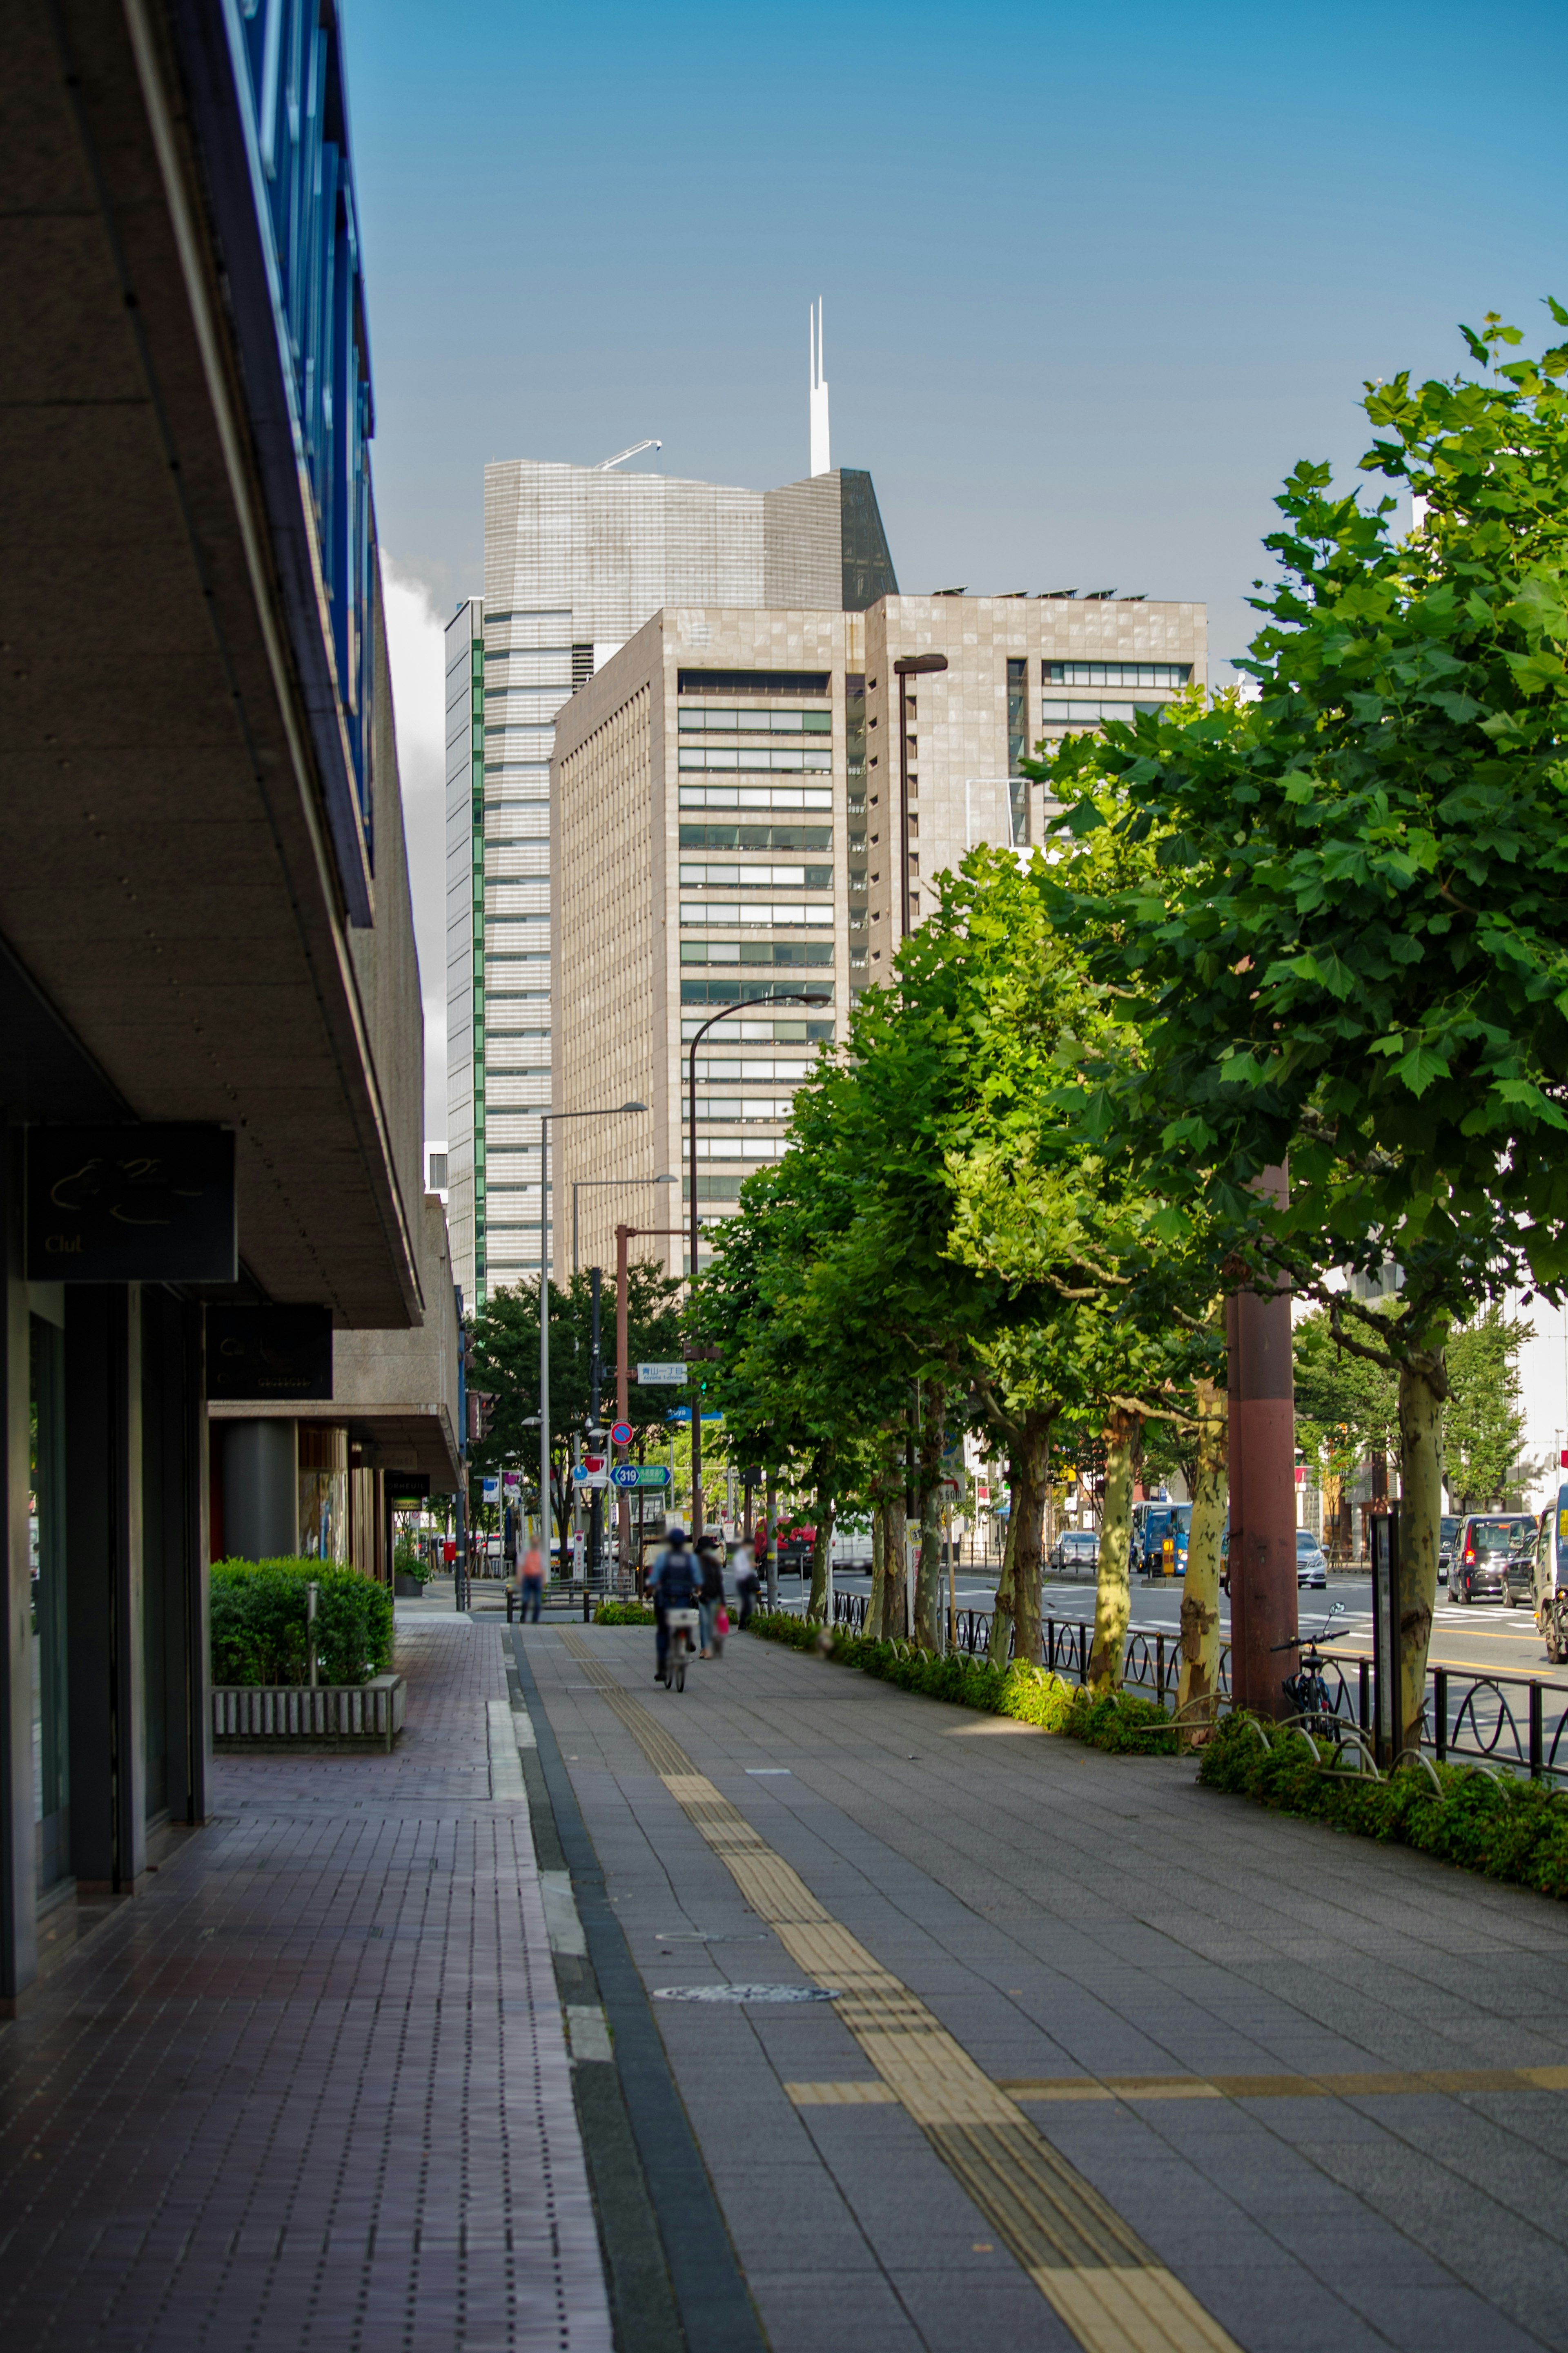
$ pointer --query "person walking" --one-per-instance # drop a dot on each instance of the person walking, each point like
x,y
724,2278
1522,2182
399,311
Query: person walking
x,y
671,1585
711,1565
531,1582
743,1567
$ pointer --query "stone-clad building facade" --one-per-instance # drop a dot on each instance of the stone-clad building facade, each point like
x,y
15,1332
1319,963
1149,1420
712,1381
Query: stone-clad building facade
x,y
727,824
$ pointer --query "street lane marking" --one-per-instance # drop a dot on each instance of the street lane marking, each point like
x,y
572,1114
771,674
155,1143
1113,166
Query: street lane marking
x,y
1111,2291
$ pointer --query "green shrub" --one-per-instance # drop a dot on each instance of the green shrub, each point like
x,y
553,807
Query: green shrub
x,y
621,1613
406,1562
1119,1721
260,1632
1506,1828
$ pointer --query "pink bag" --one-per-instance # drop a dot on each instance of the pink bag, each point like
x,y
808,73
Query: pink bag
x,y
722,1622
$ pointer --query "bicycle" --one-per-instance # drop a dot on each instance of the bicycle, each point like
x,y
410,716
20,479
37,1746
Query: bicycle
x,y
682,1626
1306,1688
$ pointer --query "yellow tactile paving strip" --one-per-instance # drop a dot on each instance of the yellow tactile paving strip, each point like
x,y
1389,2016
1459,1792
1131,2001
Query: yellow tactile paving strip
x,y
1109,2289
1220,2087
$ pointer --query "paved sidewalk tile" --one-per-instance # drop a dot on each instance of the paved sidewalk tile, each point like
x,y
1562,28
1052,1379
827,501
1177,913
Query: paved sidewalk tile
x,y
313,2090
1067,1915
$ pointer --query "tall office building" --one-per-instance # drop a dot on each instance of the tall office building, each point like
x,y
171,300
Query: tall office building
x,y
577,559
733,823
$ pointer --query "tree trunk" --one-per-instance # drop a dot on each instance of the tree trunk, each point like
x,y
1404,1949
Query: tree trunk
x,y
1112,1596
1001,1646
928,1575
1197,1693
1028,1506
879,1601
818,1607
1422,1387
895,1548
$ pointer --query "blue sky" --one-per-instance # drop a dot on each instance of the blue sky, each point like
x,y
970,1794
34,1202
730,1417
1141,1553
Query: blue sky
x,y
1094,277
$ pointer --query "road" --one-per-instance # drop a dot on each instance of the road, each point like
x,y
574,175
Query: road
x,y
1476,1639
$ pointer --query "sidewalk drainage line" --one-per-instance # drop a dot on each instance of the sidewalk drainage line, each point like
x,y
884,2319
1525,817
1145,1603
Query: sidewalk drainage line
x,y
710,2291
1111,2291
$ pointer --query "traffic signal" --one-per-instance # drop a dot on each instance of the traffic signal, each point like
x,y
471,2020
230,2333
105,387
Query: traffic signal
x,y
482,1414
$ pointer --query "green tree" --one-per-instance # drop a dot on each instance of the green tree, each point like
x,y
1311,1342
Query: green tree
x,y
1483,1421
506,1364
1355,953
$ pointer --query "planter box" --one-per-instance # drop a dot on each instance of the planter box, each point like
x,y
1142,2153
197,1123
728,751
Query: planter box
x,y
292,1716
408,1589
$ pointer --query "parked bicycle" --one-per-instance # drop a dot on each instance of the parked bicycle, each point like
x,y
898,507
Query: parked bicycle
x,y
1306,1689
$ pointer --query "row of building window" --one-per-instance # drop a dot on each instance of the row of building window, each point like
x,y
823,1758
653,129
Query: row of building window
x,y
781,914
770,796
698,717
756,837
782,1030
1170,675
696,757
735,992
759,952
758,878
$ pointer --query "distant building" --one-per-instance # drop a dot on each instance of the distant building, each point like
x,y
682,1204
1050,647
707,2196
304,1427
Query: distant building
x,y
577,559
727,824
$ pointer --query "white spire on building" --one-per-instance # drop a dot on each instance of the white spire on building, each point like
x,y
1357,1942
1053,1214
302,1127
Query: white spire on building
x,y
821,463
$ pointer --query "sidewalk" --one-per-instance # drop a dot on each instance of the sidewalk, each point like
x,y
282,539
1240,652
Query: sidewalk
x,y
1114,2062
312,2089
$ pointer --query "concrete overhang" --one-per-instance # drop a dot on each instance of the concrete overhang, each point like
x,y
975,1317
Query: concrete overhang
x,y
168,884
395,1392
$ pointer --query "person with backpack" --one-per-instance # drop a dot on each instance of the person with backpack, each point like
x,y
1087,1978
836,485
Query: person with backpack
x,y
531,1583
672,1585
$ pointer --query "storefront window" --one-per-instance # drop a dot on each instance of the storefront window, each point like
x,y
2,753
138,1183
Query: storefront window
x,y
323,1492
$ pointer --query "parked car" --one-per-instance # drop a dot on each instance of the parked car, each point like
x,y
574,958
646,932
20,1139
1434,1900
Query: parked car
x,y
1530,1572
1075,1549
1311,1560
1481,1552
1448,1528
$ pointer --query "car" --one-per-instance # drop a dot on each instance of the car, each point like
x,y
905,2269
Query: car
x,y
1156,1527
1311,1561
1530,1572
1075,1548
1482,1551
1448,1528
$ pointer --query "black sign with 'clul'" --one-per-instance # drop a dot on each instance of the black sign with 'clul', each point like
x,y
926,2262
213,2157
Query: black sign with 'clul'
x,y
133,1204
269,1352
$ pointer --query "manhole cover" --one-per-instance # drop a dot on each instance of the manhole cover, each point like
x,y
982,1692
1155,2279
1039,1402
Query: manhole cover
x,y
746,1993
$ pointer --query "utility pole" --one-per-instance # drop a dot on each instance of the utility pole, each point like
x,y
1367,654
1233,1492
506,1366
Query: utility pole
x,y
596,1500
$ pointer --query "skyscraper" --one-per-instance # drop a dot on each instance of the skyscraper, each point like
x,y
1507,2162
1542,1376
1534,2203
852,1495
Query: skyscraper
x,y
577,559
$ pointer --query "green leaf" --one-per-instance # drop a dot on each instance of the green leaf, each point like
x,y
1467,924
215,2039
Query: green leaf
x,y
1420,1067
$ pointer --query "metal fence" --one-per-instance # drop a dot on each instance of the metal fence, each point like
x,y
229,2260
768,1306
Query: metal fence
x,y
1514,1722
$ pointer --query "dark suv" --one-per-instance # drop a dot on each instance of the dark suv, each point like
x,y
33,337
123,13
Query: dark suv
x,y
1481,1552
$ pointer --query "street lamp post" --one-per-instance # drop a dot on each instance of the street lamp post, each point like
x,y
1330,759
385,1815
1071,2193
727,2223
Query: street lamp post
x,y
909,666
598,1184
744,1004
609,1111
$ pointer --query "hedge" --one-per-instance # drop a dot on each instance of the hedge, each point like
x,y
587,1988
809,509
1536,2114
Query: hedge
x,y
1503,1827
621,1613
1117,1721
259,1631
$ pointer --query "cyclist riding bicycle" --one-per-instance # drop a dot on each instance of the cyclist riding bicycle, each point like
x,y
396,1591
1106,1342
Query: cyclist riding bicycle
x,y
673,1584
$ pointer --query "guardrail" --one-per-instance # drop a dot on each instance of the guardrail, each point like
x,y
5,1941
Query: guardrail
x,y
1517,1722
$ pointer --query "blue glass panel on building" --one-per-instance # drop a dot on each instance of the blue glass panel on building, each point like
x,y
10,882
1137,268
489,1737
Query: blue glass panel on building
x,y
289,80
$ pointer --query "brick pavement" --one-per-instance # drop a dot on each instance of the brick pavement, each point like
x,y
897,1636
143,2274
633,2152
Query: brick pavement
x,y
312,2089
1226,2024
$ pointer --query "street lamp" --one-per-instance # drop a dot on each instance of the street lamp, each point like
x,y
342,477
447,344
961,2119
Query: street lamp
x,y
793,997
590,1183
609,1111
908,666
